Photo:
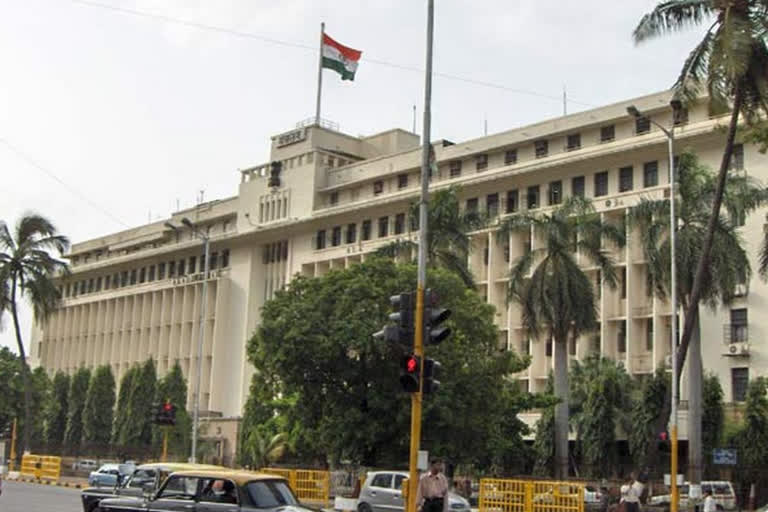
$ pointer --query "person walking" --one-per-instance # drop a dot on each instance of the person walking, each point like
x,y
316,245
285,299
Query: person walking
x,y
634,490
432,494
709,502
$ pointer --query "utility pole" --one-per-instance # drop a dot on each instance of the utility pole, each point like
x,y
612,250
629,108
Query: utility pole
x,y
12,460
418,339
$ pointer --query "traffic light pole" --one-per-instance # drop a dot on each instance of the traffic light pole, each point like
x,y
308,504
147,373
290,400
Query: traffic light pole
x,y
418,338
12,460
165,445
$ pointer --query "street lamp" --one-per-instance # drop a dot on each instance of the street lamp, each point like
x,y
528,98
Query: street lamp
x,y
670,134
201,335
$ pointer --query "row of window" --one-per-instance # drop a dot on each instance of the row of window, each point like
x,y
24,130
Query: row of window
x,y
146,274
349,234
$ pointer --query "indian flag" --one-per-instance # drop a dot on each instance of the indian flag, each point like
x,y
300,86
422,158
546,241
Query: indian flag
x,y
340,58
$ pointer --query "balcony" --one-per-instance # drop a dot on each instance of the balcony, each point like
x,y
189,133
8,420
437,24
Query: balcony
x,y
735,333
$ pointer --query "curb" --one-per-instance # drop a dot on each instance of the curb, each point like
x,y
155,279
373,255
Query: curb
x,y
55,483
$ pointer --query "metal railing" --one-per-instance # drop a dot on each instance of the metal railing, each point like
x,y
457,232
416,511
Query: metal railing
x,y
504,495
309,485
735,333
41,467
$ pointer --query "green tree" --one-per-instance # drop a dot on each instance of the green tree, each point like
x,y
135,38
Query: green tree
x,y
336,379
99,404
56,410
729,62
173,387
728,268
27,270
448,242
122,411
544,442
648,420
751,438
73,436
41,387
137,431
600,403
713,418
11,389
264,450
557,299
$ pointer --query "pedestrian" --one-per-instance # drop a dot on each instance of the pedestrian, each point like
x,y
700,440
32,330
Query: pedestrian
x,y
709,501
632,497
605,498
432,495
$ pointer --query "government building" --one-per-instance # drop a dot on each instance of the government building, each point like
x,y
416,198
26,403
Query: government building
x,y
138,293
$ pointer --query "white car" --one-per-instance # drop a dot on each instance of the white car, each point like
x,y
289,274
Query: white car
x,y
722,492
85,465
382,492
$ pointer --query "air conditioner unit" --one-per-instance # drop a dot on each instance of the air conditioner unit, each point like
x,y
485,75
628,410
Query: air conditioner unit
x,y
740,290
737,349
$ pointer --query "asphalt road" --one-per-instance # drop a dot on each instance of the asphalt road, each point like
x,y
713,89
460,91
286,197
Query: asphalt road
x,y
20,497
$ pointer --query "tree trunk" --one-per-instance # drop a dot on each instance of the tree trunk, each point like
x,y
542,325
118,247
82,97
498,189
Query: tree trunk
x,y
691,316
561,409
24,368
695,382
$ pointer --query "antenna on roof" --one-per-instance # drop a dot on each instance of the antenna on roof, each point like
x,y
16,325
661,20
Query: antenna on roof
x,y
485,125
565,101
414,119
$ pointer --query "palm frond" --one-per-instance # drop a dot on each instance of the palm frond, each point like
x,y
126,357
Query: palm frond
x,y
455,263
671,16
763,252
694,73
396,249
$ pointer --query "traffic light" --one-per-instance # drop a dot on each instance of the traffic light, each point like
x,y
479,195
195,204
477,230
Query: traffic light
x,y
434,316
275,169
165,414
410,369
402,331
663,442
431,367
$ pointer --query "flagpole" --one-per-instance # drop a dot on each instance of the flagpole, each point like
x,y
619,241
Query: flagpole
x,y
319,75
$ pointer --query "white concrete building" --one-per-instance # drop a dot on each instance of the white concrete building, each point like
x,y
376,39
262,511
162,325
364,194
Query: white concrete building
x,y
137,293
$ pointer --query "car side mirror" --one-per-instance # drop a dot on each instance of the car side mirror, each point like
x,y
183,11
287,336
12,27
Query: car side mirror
x,y
147,490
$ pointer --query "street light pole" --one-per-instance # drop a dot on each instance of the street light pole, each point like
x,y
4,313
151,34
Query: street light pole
x,y
201,334
670,134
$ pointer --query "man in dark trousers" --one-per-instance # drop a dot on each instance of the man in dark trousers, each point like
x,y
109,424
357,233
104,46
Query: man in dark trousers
x,y
432,495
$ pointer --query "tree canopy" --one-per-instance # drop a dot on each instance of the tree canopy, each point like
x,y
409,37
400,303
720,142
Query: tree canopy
x,y
99,406
78,390
173,387
56,410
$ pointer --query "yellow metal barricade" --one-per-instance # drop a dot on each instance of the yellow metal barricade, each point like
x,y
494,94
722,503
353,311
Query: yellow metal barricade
x,y
50,468
30,465
288,474
308,485
505,495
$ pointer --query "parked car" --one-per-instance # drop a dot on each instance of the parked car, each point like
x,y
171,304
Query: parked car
x,y
209,491
108,475
85,465
592,494
153,473
382,492
722,492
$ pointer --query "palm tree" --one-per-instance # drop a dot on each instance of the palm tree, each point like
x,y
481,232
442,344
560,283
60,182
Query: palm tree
x,y
730,62
729,266
264,450
448,241
557,298
27,269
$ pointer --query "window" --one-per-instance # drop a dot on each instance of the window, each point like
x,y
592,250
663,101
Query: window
x,y
382,480
133,276
513,198
193,264
351,233
621,339
492,205
161,271
90,283
414,222
481,162
180,487
151,273
334,199
623,282
455,168
402,180
98,282
650,174
680,115
642,125
598,284
142,275
472,204
214,260
399,223
336,236
510,156
320,239
601,183
378,187
216,490
572,346
577,186
649,335
739,325
506,253
486,256
270,494
626,175
737,157
383,227
548,348
573,141
107,279
366,230
225,258
202,265
542,148
533,197
399,481
739,383
556,192
171,269
607,133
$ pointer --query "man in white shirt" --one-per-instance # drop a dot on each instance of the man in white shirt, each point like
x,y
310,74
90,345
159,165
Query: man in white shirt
x,y
709,502
432,495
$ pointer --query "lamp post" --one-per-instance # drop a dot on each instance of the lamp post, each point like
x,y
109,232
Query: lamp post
x,y
201,334
670,134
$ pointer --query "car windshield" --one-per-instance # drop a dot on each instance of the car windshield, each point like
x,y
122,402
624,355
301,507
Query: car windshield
x,y
270,493
141,477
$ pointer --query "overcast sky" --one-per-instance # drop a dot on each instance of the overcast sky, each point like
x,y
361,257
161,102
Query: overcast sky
x,y
108,118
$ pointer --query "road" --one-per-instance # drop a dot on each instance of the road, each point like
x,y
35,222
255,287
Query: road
x,y
19,497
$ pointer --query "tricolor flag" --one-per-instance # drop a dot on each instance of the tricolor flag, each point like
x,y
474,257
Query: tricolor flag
x,y
340,58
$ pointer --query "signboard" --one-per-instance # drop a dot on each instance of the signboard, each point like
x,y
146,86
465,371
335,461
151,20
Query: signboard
x,y
668,479
423,462
292,137
2,453
724,457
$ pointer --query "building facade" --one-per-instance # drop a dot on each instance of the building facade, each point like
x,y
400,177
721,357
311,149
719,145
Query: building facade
x,y
138,293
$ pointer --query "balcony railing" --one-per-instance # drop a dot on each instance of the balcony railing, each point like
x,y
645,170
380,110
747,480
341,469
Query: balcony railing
x,y
735,333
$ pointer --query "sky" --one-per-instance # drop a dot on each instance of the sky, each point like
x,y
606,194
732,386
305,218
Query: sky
x,y
112,112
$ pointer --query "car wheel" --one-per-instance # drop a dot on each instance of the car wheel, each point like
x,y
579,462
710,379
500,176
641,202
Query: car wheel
x,y
364,507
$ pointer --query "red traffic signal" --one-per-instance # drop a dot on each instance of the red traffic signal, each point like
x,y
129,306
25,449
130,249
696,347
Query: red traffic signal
x,y
167,407
410,371
412,364
663,436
